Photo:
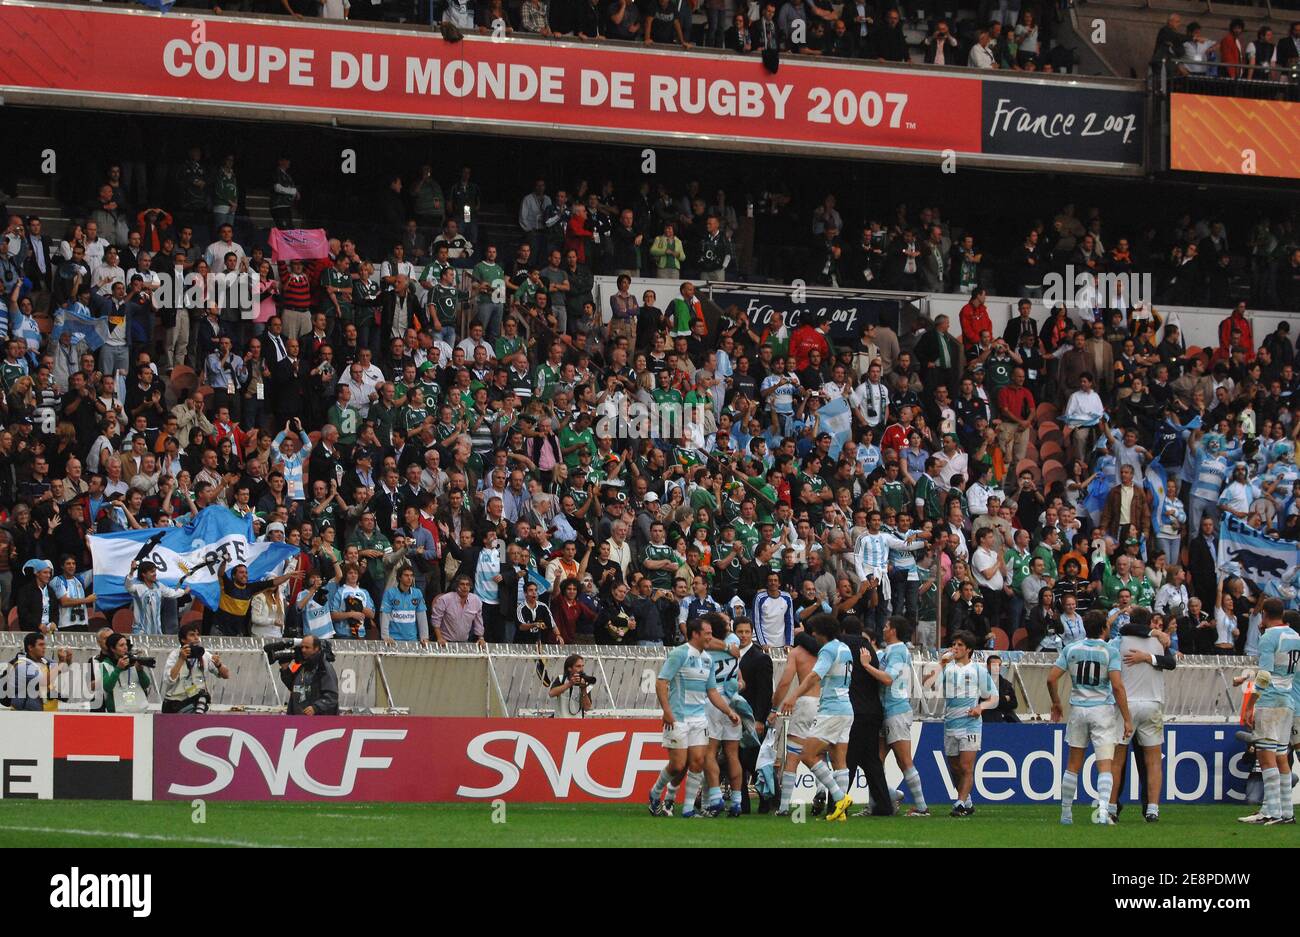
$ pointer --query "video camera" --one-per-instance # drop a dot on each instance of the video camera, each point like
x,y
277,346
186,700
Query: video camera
x,y
290,651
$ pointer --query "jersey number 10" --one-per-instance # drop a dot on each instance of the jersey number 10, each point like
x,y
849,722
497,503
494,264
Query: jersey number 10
x,y
1088,673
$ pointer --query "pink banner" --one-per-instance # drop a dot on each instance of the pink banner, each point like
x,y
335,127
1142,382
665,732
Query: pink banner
x,y
299,244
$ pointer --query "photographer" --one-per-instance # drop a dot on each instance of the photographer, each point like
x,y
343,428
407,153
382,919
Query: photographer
x,y
313,684
123,677
28,682
185,680
572,692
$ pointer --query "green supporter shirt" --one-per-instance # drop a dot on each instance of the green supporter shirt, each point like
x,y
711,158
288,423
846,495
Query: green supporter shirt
x,y
766,497
1019,565
668,425
998,371
746,535
1049,560
894,495
493,276
661,578
375,541
571,437
507,345
703,498
332,277
1110,586
384,418
443,300
347,420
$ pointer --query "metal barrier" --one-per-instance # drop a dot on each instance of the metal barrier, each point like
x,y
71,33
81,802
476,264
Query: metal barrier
x,y
508,680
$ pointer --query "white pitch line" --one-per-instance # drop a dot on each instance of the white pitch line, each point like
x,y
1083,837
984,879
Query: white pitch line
x,y
154,837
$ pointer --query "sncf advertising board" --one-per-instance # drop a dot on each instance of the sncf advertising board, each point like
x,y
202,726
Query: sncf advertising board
x,y
610,760
629,93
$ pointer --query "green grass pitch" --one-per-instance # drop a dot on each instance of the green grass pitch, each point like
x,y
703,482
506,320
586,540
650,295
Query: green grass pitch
x,y
28,823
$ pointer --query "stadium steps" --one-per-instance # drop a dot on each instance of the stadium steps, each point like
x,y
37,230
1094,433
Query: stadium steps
x,y
499,226
257,208
33,198
1131,28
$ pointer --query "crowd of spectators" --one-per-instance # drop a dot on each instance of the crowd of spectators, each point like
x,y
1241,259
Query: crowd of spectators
x,y
1010,35
1235,56
445,434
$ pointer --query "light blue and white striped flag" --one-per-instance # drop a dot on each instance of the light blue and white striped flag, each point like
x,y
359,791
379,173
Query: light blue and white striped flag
x,y
836,418
192,553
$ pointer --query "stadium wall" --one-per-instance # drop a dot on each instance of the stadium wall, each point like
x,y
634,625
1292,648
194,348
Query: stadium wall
x,y
427,760
455,681
851,309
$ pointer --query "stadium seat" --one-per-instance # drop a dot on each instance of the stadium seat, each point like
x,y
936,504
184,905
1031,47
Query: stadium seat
x,y
183,381
192,614
1019,640
1046,411
13,619
1000,642
1046,427
1031,453
123,619
1051,449
314,436
1053,472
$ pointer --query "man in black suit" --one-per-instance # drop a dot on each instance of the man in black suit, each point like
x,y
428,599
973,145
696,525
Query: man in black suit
x,y
868,719
207,336
1288,50
756,688
889,42
38,263
402,306
1202,560
940,356
289,380
274,349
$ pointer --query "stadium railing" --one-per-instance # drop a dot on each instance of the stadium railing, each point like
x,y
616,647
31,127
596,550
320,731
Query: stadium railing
x,y
507,680
1268,82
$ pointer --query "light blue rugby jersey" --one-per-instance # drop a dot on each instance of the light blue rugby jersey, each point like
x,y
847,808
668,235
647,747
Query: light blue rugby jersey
x,y
963,688
835,667
1279,654
726,669
896,660
690,677
1089,663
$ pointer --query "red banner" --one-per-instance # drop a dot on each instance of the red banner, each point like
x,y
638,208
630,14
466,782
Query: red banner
x,y
404,759
128,54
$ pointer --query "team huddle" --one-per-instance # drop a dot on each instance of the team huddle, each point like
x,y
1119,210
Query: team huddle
x,y
1116,699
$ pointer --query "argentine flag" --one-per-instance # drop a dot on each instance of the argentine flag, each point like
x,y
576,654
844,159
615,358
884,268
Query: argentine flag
x,y
74,319
836,418
1261,558
185,556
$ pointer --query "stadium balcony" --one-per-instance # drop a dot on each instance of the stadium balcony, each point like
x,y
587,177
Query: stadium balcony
x,y
909,43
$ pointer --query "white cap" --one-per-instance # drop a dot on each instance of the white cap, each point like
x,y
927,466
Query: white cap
x,y
274,526
651,496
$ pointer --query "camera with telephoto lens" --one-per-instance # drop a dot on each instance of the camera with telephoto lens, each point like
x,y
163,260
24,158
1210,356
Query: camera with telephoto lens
x,y
132,660
290,651
587,681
